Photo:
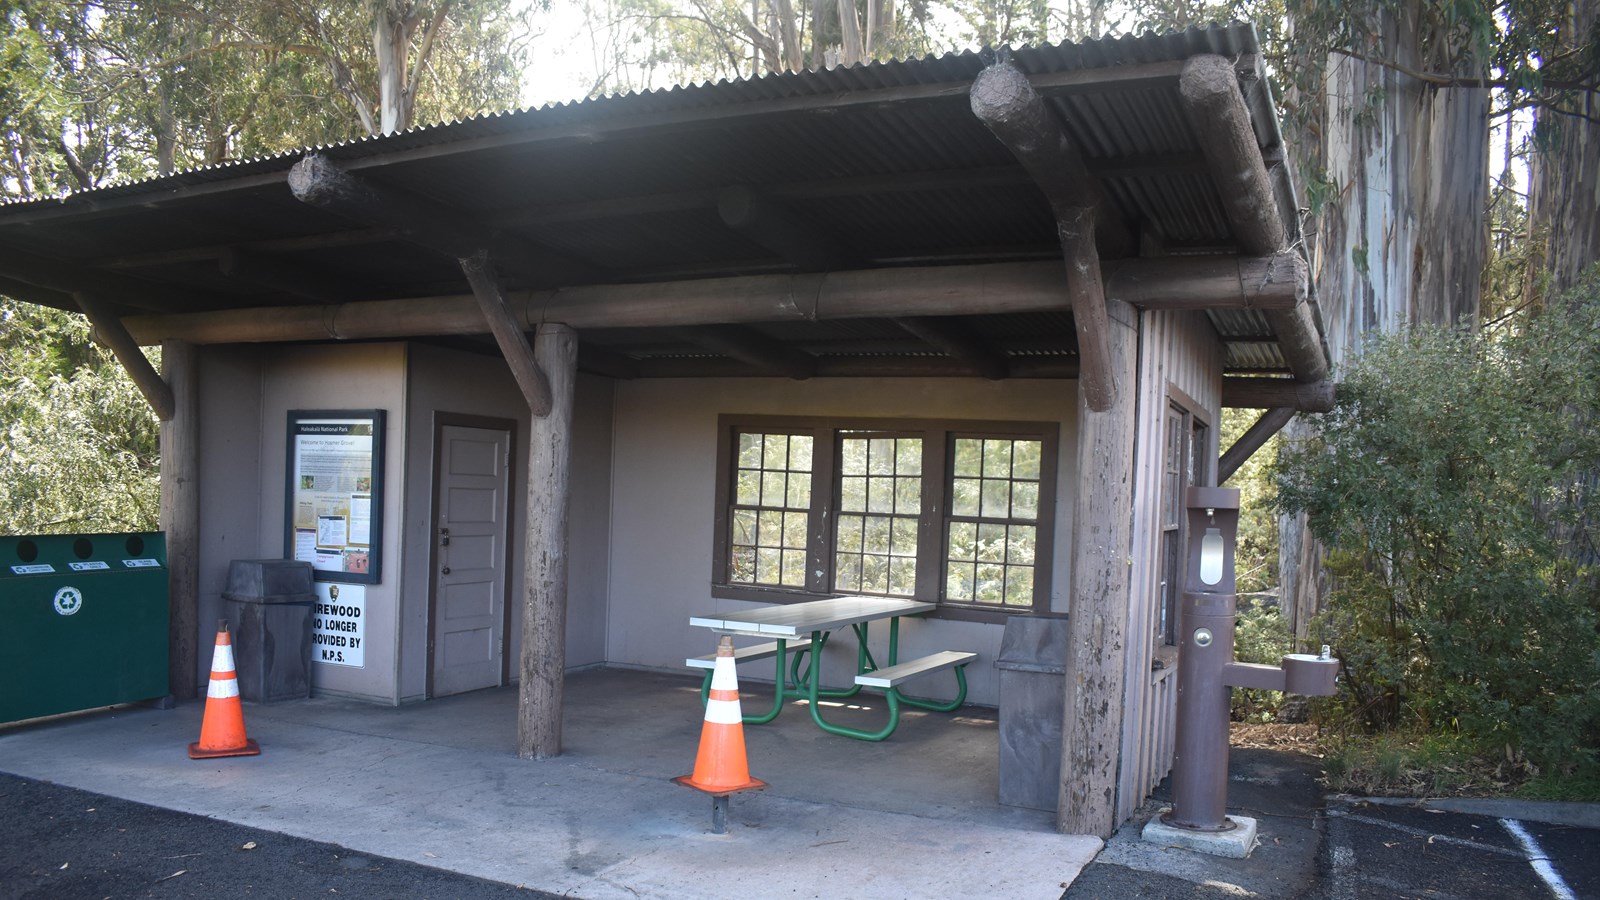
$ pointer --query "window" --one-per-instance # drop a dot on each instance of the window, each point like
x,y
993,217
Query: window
x,y
957,513
1186,462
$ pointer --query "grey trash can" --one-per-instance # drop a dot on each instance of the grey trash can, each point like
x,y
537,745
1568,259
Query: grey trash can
x,y
271,601
1033,665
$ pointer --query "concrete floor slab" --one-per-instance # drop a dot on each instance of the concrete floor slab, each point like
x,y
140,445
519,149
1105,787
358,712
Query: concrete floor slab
x,y
438,784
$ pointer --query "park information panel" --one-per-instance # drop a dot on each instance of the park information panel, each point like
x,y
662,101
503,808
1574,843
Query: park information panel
x,y
334,502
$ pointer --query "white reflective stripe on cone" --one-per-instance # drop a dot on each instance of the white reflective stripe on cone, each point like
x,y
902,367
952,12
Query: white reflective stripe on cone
x,y
724,712
222,658
723,675
222,688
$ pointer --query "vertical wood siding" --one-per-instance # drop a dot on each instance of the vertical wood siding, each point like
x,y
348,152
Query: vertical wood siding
x,y
1177,349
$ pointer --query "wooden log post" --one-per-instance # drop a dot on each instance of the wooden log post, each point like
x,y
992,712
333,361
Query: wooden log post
x,y
1097,622
507,333
180,516
1006,103
544,614
1270,423
1273,393
111,332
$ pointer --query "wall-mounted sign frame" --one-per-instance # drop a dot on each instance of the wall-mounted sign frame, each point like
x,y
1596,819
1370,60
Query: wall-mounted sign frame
x,y
333,497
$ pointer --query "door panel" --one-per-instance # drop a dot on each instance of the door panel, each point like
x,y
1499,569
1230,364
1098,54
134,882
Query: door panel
x,y
471,533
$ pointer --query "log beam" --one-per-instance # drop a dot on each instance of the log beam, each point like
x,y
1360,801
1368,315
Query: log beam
x,y
990,289
1276,282
1004,100
1275,393
1216,111
544,619
1101,592
180,516
507,332
1270,423
778,228
1086,222
753,348
316,181
110,330
959,344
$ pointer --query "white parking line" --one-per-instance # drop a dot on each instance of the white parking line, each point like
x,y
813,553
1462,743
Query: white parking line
x,y
1539,861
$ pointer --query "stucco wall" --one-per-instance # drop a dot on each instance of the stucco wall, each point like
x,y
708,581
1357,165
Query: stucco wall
x,y
664,495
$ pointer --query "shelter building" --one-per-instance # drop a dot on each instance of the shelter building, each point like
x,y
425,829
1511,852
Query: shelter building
x,y
958,329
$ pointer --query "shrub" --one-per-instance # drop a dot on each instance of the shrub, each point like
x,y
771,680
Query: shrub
x,y
1451,483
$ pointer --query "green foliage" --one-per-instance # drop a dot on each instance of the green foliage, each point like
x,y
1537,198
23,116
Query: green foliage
x,y
1449,484
1260,636
79,446
1256,555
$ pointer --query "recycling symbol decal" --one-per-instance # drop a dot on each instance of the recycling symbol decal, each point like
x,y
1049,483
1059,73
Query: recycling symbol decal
x,y
68,600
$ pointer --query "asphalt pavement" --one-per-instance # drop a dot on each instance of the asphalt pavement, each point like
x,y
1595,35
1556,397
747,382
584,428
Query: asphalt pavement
x,y
60,843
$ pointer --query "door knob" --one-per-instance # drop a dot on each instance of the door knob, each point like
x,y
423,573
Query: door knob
x,y
445,570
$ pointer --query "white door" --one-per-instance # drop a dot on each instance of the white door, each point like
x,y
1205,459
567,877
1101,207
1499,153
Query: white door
x,y
470,578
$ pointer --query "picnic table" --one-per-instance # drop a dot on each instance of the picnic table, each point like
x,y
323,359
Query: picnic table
x,y
801,630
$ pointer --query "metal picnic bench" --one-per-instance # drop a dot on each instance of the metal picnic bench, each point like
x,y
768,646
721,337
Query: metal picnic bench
x,y
801,631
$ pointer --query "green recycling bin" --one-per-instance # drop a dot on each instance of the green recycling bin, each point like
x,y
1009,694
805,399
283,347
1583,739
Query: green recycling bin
x,y
83,622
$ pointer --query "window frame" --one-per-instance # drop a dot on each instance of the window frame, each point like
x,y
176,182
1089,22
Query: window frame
x,y
1197,467
938,443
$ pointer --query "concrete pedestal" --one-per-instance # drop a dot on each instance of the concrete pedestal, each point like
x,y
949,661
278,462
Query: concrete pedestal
x,y
1235,843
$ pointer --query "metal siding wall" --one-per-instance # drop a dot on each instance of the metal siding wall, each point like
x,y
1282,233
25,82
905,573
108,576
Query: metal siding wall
x,y
1179,349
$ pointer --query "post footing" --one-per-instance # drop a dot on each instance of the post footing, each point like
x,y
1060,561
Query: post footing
x,y
1235,843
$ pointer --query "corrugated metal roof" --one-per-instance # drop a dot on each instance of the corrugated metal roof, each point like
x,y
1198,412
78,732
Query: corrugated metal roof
x,y
883,160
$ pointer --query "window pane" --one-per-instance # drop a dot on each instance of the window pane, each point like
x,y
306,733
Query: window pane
x,y
776,454
853,494
749,493
744,526
769,566
958,581
991,542
849,534
800,453
880,494
963,540
794,531
1020,546
1025,500
794,567
875,537
771,528
908,456
964,497
853,456
969,457
908,496
991,584
1025,462
847,572
903,576
904,539
875,574
799,491
744,565
1019,586
750,451
880,460
996,498
997,459
773,487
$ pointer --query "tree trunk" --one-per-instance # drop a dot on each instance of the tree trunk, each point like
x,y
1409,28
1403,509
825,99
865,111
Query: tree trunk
x,y
1564,201
391,38
1402,237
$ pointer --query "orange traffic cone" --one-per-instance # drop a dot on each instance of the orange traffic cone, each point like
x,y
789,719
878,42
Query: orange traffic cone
x,y
720,767
222,729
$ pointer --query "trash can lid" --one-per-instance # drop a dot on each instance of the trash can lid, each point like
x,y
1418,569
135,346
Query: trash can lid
x,y
1034,644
